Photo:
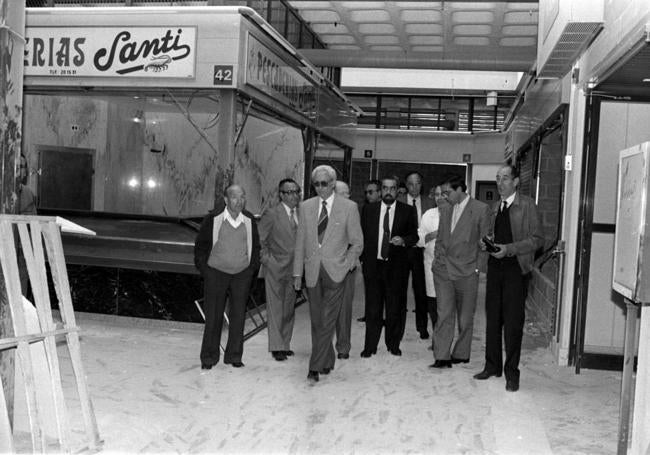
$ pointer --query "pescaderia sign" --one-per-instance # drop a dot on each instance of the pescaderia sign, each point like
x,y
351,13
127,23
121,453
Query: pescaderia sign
x,y
152,52
270,74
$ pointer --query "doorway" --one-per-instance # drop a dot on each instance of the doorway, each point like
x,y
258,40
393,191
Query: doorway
x,y
486,191
66,178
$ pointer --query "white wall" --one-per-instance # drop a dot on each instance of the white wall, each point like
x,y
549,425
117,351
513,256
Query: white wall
x,y
430,147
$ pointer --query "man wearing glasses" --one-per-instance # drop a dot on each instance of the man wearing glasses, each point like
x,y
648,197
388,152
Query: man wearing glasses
x,y
372,194
328,244
278,228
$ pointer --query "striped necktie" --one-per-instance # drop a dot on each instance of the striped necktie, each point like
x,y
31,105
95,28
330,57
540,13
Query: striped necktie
x,y
322,222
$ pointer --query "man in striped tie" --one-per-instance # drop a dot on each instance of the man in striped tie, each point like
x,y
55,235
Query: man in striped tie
x,y
328,244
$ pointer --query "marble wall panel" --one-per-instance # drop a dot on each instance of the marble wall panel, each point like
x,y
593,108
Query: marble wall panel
x,y
150,158
266,153
72,122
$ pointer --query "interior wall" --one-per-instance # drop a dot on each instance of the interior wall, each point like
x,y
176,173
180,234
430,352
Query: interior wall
x,y
622,125
148,157
429,147
266,153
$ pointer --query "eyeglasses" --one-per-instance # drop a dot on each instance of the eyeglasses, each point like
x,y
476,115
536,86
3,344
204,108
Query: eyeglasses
x,y
320,183
291,192
371,191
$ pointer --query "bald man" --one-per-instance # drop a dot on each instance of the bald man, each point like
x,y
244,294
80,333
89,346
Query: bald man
x,y
227,253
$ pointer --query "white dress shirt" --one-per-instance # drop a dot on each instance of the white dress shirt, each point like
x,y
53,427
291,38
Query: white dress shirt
x,y
391,217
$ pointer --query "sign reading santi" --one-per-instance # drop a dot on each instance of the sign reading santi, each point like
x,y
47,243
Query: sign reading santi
x,y
154,52
270,74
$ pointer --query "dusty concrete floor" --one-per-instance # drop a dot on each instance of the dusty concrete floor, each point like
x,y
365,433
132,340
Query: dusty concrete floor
x,y
151,396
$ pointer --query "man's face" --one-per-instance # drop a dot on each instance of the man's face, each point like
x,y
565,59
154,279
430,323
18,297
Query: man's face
x,y
235,199
414,185
450,195
402,191
388,190
506,185
373,193
290,194
323,185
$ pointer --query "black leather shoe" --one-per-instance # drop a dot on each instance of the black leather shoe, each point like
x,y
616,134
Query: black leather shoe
x,y
486,374
455,360
396,351
238,364
441,364
206,366
289,353
279,355
326,370
512,385
367,353
343,356
312,376
362,319
424,335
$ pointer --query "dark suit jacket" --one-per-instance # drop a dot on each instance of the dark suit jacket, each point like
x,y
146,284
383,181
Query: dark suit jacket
x,y
425,203
405,225
458,254
204,243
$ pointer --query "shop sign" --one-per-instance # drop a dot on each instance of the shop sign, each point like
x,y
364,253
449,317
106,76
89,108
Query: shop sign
x,y
269,73
152,52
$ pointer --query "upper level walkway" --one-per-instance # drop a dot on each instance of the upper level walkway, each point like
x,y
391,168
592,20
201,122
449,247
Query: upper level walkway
x,y
151,396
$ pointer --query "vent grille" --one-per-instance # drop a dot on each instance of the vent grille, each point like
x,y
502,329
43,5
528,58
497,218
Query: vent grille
x,y
574,39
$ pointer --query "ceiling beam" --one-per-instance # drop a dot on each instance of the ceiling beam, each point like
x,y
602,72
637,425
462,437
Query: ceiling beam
x,y
518,60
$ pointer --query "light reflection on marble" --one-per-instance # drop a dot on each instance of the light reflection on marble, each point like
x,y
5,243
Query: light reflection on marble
x,y
150,395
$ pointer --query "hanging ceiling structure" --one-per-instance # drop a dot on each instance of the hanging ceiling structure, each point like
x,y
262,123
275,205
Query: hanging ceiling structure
x,y
458,35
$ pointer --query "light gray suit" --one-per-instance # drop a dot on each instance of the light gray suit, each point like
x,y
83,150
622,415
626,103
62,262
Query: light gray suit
x,y
278,240
458,259
325,267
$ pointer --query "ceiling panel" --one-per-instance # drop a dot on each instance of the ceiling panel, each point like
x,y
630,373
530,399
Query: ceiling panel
x,y
437,35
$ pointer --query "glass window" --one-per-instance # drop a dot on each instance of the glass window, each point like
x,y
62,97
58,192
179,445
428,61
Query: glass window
x,y
394,112
128,153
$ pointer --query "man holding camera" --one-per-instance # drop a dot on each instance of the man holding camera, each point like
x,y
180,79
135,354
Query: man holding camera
x,y
517,235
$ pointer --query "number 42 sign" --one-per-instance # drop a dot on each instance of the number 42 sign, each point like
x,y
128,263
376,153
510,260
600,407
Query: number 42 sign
x,y
222,75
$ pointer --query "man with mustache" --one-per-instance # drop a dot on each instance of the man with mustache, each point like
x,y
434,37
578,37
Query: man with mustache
x,y
389,228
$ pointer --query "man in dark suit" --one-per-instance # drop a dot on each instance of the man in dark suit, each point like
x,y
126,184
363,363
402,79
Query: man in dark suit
x,y
456,265
517,234
416,255
328,244
389,229
226,252
278,228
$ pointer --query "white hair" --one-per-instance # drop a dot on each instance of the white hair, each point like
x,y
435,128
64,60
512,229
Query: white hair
x,y
331,173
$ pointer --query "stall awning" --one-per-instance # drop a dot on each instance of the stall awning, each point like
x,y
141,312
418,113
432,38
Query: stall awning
x,y
147,243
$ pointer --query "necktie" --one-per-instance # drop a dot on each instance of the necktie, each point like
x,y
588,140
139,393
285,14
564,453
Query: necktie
x,y
385,241
292,219
322,222
504,206
416,210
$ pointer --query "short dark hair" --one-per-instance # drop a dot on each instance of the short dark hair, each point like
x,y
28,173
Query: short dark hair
x,y
414,173
374,182
455,181
283,181
514,170
389,177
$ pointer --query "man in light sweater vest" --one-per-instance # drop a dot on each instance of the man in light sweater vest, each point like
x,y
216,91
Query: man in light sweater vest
x,y
227,253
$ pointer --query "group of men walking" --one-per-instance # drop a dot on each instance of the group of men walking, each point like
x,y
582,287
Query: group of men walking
x,y
319,244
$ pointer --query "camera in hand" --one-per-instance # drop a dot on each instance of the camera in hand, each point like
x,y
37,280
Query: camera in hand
x,y
490,247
